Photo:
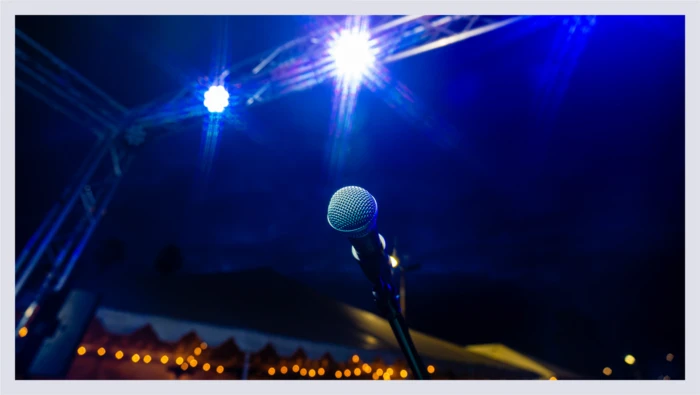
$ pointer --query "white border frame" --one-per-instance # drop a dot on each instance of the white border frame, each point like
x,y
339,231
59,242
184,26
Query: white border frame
x,y
301,7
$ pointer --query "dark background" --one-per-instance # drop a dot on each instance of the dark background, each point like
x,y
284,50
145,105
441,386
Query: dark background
x,y
554,223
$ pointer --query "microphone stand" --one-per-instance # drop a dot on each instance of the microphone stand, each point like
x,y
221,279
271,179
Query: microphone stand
x,y
387,303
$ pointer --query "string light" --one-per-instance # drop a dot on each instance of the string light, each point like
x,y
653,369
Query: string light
x,y
347,373
375,376
667,378
338,374
197,351
271,371
312,373
386,376
403,373
146,359
193,363
390,371
184,366
179,361
203,346
82,350
355,358
669,357
321,371
431,369
219,369
380,372
295,368
135,358
164,359
357,372
607,371
367,368
190,358
283,370
119,354
552,378
629,359
101,351
206,367
23,331
303,372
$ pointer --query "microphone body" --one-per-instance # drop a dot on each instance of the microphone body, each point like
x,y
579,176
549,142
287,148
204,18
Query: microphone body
x,y
372,257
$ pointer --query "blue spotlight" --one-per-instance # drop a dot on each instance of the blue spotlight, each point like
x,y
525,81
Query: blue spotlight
x,y
216,99
353,54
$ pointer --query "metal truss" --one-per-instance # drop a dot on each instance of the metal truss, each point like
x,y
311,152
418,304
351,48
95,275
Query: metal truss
x,y
301,63
44,265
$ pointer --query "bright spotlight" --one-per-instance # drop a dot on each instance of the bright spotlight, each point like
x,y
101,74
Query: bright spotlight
x,y
353,54
216,99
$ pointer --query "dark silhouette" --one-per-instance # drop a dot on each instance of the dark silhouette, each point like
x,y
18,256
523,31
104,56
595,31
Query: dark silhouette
x,y
169,260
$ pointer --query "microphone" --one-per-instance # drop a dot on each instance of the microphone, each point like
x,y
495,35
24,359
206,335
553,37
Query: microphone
x,y
353,212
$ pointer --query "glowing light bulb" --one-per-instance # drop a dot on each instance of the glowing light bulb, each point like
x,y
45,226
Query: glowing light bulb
x,y
216,99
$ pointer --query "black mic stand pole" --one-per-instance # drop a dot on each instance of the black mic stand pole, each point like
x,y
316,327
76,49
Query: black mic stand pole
x,y
376,267
387,302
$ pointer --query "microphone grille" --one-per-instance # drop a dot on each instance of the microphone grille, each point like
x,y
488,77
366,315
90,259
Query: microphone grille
x,y
353,211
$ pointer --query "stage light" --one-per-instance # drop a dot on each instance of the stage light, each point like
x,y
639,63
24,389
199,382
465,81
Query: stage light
x,y
394,262
353,54
216,100
630,360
